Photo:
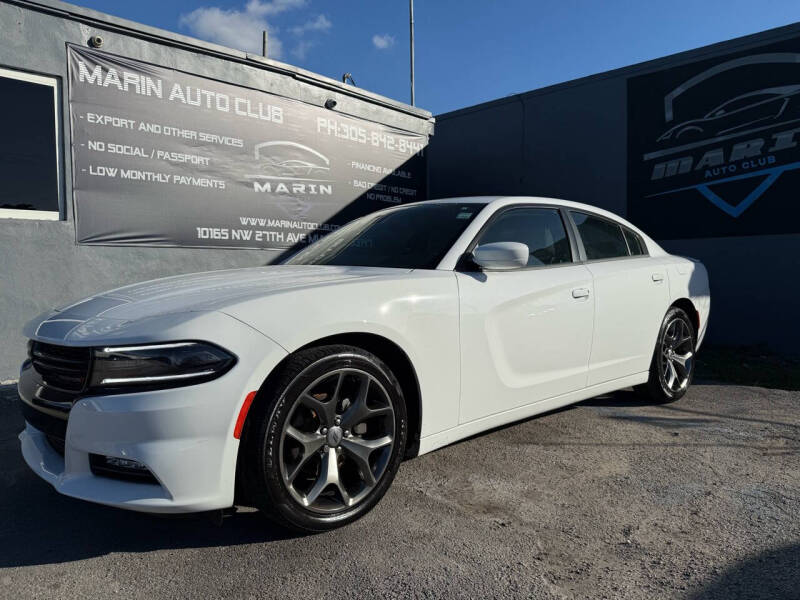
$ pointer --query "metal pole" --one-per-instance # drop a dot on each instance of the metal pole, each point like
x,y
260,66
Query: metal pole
x,y
264,44
411,14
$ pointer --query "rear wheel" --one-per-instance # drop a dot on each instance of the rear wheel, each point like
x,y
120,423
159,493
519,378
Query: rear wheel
x,y
325,446
672,367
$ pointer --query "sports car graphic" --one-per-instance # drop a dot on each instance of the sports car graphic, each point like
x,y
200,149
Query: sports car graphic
x,y
290,160
753,108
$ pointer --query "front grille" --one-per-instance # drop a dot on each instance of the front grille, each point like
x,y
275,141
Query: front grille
x,y
62,367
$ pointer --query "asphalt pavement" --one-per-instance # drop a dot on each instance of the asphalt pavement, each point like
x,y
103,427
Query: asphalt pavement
x,y
611,498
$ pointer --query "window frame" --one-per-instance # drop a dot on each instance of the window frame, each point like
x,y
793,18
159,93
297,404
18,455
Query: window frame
x,y
465,264
41,215
584,259
637,237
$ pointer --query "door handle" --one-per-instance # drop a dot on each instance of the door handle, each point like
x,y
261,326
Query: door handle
x,y
658,277
580,293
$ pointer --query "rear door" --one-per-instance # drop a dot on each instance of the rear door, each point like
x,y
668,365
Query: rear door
x,y
631,297
525,333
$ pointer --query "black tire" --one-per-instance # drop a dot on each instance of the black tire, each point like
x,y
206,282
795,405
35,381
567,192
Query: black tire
x,y
671,348
269,448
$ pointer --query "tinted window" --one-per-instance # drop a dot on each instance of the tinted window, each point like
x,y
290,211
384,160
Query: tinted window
x,y
413,237
601,238
642,244
28,159
541,229
635,243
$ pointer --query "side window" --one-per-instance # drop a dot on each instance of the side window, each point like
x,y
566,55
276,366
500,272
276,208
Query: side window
x,y
29,166
541,229
635,243
601,238
642,244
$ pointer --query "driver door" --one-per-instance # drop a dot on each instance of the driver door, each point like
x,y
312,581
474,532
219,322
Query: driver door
x,y
526,333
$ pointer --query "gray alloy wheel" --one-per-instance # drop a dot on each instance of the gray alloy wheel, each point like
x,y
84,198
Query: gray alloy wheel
x,y
324,439
673,361
677,355
337,440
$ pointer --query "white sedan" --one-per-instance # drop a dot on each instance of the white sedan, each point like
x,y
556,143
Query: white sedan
x,y
299,388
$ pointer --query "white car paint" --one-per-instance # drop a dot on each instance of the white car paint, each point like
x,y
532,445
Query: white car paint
x,y
631,298
524,338
487,349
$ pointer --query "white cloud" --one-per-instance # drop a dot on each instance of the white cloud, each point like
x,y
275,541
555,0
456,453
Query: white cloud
x,y
383,41
300,51
272,7
240,28
321,23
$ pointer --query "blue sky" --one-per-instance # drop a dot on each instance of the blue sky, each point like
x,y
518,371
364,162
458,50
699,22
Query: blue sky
x,y
468,51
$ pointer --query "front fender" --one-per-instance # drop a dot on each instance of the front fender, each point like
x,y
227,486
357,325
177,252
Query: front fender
x,y
418,312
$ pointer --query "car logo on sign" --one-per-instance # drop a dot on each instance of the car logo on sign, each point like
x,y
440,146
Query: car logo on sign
x,y
290,161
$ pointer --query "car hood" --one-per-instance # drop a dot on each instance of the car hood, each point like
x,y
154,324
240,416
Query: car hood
x,y
199,292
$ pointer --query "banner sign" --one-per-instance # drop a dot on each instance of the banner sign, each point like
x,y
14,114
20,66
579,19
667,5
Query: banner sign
x,y
165,158
713,146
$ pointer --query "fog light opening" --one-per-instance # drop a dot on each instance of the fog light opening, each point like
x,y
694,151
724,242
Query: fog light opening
x,y
124,463
125,469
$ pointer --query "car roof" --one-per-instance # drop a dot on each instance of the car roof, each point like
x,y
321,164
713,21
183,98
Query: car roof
x,y
496,202
500,201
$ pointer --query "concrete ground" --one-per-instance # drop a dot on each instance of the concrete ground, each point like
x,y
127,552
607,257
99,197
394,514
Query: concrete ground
x,y
611,498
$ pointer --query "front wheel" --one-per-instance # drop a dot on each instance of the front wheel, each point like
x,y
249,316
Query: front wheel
x,y
672,367
324,447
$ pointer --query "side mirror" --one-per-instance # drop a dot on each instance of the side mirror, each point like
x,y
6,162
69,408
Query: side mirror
x,y
501,256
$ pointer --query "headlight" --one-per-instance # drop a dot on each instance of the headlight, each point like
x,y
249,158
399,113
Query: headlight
x,y
159,365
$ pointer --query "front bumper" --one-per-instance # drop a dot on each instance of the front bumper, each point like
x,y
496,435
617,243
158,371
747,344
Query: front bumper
x,y
184,436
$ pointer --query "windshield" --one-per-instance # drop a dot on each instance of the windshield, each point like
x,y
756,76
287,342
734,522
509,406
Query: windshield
x,y
416,236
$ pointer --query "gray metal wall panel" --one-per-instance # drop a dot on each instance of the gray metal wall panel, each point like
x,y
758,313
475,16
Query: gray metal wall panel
x,y
754,291
479,153
575,144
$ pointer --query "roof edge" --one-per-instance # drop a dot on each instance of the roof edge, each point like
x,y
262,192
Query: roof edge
x,y
154,34
753,39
